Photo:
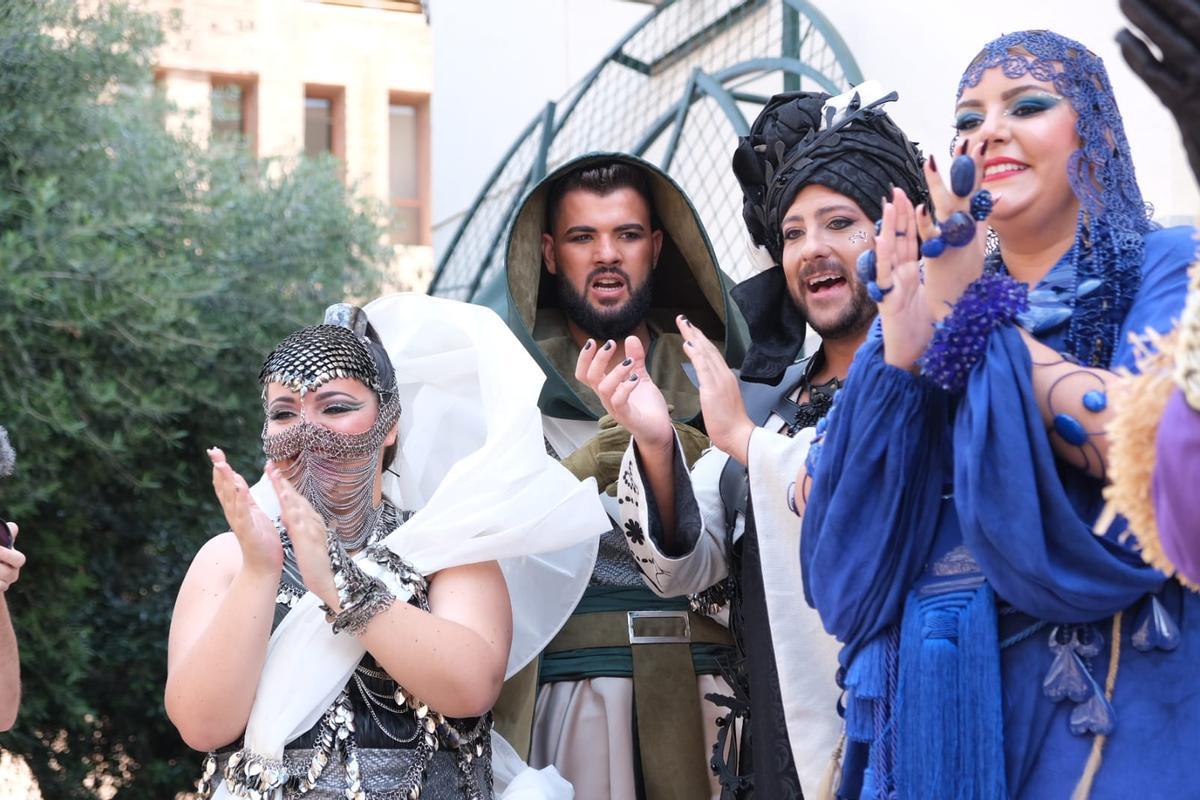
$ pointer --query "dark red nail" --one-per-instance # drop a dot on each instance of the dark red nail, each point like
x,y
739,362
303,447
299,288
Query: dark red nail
x,y
608,345
588,344
966,143
627,362
932,163
983,150
633,377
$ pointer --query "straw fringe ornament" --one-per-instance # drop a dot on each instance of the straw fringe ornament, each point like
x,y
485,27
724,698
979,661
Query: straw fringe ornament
x,y
1138,403
1187,352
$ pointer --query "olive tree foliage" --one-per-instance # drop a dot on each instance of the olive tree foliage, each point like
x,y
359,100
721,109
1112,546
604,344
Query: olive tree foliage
x,y
142,280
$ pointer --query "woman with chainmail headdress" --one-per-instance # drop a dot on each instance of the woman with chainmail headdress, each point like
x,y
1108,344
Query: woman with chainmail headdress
x,y
995,647
349,634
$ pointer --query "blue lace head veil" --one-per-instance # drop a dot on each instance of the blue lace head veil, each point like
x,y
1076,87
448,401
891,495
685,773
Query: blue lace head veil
x,y
1108,251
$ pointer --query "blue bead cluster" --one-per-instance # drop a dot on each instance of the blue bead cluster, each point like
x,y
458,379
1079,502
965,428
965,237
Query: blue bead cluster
x,y
981,205
961,338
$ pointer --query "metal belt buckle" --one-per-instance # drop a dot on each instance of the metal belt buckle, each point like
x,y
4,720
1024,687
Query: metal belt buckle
x,y
683,638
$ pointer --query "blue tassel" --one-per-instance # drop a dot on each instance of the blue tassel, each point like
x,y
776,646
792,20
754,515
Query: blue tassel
x,y
980,699
1155,628
950,721
868,674
866,681
870,786
860,718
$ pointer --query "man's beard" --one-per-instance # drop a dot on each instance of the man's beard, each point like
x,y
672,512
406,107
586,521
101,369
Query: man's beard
x,y
854,318
603,323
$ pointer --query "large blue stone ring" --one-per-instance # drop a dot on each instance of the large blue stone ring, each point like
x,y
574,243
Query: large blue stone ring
x,y
962,175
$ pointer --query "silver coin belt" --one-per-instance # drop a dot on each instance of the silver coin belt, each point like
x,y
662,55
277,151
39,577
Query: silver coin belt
x,y
253,776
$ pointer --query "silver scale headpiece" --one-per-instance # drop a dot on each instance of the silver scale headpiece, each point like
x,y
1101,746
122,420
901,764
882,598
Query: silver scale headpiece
x,y
315,355
335,471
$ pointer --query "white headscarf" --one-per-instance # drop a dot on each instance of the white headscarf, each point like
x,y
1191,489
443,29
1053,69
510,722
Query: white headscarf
x,y
473,465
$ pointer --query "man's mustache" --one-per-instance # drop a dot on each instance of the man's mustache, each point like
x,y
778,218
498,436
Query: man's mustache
x,y
602,271
824,266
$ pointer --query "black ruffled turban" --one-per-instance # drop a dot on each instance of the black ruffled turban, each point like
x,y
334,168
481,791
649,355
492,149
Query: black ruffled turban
x,y
859,153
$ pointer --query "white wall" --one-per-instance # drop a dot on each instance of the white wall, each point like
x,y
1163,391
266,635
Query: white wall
x,y
921,48
497,63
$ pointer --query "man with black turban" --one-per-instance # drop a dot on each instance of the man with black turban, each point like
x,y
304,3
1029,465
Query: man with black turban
x,y
813,171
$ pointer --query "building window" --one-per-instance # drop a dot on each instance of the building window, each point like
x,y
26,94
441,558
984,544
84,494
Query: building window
x,y
408,168
323,121
233,109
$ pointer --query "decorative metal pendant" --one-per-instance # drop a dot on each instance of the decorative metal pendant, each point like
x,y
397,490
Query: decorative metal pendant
x,y
1095,715
1067,677
1155,629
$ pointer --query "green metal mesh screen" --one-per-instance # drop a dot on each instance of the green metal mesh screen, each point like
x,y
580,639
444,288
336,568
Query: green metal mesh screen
x,y
677,90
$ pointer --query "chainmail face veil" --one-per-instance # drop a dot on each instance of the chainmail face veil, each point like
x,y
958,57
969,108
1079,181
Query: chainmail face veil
x,y
1108,249
336,472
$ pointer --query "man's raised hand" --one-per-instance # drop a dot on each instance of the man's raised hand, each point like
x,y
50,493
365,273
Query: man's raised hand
x,y
627,391
725,418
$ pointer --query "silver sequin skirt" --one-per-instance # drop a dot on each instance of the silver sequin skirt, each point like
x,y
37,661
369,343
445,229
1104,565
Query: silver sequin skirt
x,y
386,776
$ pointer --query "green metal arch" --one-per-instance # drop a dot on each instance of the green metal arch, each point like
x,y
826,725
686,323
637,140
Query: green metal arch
x,y
488,217
841,50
